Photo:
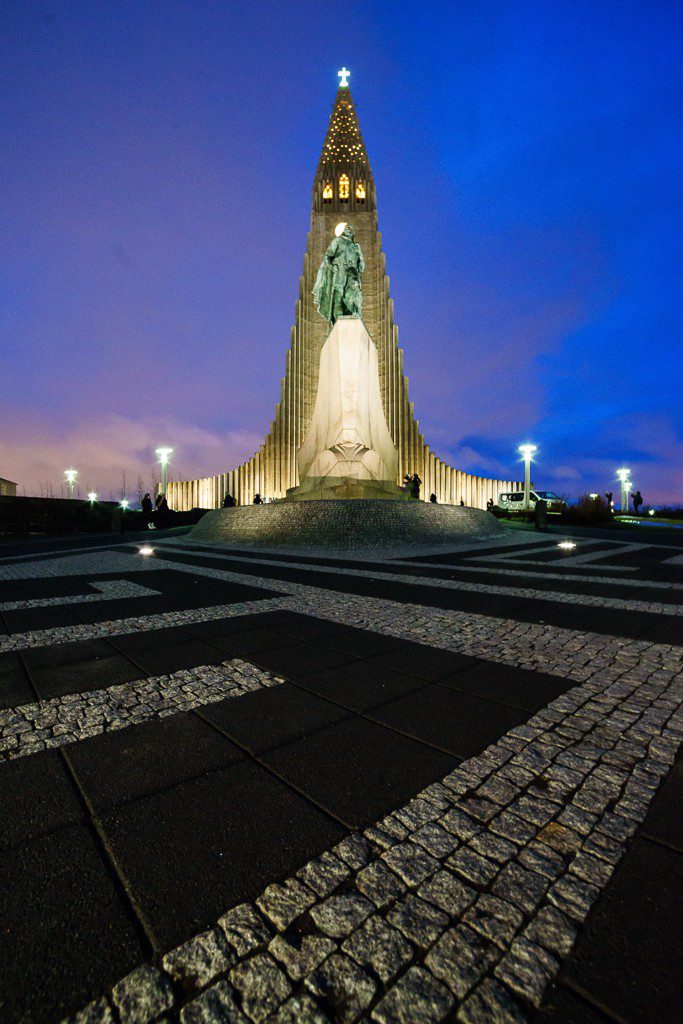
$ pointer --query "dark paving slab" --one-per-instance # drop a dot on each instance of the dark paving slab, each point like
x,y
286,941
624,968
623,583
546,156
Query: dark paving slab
x,y
360,685
66,929
664,821
458,723
424,662
667,630
297,659
191,852
127,763
567,1007
358,770
518,687
44,588
14,684
76,667
307,627
627,956
361,643
279,620
26,619
245,644
160,653
271,717
36,796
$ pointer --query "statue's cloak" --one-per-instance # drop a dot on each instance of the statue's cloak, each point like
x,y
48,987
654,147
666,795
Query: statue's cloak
x,y
337,290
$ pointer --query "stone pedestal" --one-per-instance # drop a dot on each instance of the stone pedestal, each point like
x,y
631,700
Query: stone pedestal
x,y
348,451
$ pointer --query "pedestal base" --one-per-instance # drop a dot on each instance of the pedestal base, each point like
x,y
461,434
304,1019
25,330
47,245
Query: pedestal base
x,y
363,525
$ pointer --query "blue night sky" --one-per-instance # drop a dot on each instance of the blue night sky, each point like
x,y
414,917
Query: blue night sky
x,y
155,193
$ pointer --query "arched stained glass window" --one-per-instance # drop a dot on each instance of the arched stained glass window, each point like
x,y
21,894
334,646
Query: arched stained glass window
x,y
360,192
344,188
327,192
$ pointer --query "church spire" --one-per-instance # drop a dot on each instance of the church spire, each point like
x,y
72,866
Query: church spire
x,y
343,181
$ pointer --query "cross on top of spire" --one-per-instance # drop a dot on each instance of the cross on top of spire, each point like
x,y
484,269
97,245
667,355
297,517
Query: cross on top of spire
x,y
343,75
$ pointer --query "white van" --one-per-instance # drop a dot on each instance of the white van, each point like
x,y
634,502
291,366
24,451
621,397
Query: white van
x,y
513,501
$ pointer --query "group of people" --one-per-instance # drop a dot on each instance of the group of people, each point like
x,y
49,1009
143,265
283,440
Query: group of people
x,y
636,498
412,484
158,511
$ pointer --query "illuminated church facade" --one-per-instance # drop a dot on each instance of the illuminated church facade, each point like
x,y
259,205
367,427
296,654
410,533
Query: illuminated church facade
x,y
343,190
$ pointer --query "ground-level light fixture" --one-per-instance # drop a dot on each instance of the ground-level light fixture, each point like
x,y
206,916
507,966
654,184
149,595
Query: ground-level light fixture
x,y
527,451
146,549
92,497
163,454
651,512
566,545
71,475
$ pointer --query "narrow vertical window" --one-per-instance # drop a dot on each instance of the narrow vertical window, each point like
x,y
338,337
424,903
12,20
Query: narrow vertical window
x,y
327,192
344,188
360,192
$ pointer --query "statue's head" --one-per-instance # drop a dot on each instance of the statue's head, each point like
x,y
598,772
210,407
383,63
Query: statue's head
x,y
348,232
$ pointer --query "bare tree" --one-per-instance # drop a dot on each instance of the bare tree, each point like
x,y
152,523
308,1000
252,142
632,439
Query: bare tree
x,y
141,488
156,482
123,484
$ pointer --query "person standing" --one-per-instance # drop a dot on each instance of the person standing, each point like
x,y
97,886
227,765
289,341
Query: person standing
x,y
637,500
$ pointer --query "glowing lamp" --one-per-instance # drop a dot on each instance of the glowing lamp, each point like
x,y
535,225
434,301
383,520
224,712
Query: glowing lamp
x,y
623,474
124,503
566,545
527,450
593,496
92,496
343,76
163,454
71,475
146,549
651,512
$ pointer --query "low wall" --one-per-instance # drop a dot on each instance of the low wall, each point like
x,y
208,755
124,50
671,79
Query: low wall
x,y
346,525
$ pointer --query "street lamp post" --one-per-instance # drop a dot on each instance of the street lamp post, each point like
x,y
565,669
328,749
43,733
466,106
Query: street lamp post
x,y
527,451
623,475
163,454
92,497
71,475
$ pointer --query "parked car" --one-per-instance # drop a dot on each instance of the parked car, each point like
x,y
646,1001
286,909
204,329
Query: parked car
x,y
512,502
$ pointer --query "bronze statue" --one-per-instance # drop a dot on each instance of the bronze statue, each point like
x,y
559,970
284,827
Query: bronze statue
x,y
337,290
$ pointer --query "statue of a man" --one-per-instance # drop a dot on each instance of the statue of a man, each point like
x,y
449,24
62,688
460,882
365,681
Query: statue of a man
x,y
337,290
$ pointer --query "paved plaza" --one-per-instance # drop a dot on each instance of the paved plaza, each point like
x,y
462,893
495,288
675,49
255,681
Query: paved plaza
x,y
248,786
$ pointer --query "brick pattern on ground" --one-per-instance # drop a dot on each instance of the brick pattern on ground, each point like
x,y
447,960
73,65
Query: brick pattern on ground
x,y
655,607
460,904
45,724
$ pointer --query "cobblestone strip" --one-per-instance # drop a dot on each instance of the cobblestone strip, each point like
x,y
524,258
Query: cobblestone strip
x,y
95,562
459,905
562,597
107,590
57,721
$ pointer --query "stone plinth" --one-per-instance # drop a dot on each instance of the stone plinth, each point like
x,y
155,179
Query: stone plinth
x,y
362,525
348,451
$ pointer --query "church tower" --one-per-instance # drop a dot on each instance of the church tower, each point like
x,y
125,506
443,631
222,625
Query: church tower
x,y
343,190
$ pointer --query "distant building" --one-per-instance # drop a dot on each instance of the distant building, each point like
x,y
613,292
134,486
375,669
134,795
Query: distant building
x,y
8,487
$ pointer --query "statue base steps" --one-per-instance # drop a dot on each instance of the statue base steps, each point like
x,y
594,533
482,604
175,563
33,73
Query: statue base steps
x,y
364,525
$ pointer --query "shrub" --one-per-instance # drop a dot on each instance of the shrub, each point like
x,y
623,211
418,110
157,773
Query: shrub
x,y
588,511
